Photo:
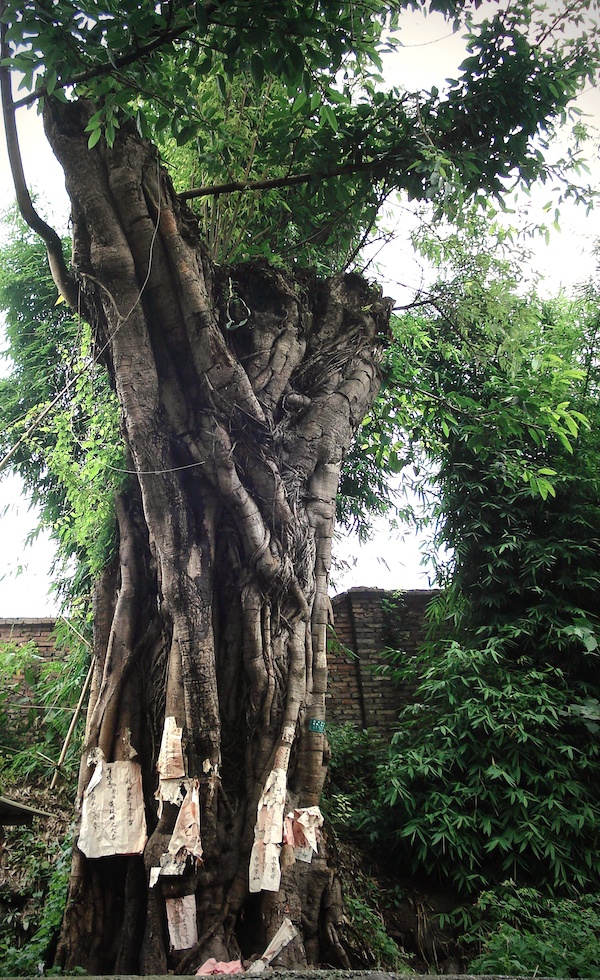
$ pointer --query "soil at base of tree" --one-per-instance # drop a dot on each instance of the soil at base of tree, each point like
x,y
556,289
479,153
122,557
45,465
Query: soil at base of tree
x,y
347,975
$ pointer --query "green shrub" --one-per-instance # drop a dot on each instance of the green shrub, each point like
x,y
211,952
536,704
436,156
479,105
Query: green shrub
x,y
37,700
492,774
520,931
28,934
355,755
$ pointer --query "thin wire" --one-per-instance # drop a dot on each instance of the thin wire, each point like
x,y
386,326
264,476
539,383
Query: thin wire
x,y
173,469
424,44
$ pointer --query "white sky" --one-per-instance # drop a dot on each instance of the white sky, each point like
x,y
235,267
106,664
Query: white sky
x,y
428,57
24,571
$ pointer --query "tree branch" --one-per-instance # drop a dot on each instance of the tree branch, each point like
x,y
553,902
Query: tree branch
x,y
213,190
63,278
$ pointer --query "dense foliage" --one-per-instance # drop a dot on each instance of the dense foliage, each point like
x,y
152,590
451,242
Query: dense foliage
x,y
521,930
493,772
58,418
152,64
42,732
33,891
38,696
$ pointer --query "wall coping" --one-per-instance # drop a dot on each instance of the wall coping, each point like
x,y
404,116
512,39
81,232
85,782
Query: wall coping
x,y
354,591
26,620
375,590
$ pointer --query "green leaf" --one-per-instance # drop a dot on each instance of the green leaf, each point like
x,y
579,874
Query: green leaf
x,y
222,86
94,138
327,116
201,14
257,70
50,79
299,102
295,60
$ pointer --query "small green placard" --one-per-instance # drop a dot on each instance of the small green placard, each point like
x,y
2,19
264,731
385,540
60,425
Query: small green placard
x,y
316,725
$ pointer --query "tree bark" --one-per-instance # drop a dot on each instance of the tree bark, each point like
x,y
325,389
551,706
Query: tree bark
x,y
240,390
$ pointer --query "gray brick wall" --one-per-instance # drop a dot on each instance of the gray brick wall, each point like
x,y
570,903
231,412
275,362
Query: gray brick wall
x,y
20,631
356,694
361,631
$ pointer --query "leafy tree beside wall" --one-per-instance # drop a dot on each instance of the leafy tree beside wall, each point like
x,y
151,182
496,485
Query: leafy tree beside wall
x,y
493,773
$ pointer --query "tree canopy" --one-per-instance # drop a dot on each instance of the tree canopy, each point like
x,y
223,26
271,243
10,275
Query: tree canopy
x,y
293,97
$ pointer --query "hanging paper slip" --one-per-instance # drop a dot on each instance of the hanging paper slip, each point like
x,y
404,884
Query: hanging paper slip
x,y
181,920
113,819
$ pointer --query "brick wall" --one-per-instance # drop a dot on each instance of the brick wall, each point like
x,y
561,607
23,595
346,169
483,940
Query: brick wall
x,y
362,630
20,631
22,717
356,694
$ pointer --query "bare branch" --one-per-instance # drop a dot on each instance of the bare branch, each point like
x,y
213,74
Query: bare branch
x,y
213,190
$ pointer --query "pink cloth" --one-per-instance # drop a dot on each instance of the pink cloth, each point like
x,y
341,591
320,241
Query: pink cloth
x,y
212,966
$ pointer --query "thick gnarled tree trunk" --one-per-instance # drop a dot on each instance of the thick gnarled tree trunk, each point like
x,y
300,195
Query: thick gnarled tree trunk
x,y
240,390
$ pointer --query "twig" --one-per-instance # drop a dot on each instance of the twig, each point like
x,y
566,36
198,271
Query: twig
x,y
74,719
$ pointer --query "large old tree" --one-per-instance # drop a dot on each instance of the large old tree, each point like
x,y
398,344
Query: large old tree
x,y
240,387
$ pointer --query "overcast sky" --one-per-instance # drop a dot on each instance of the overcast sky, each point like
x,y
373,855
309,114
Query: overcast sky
x,y
429,55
